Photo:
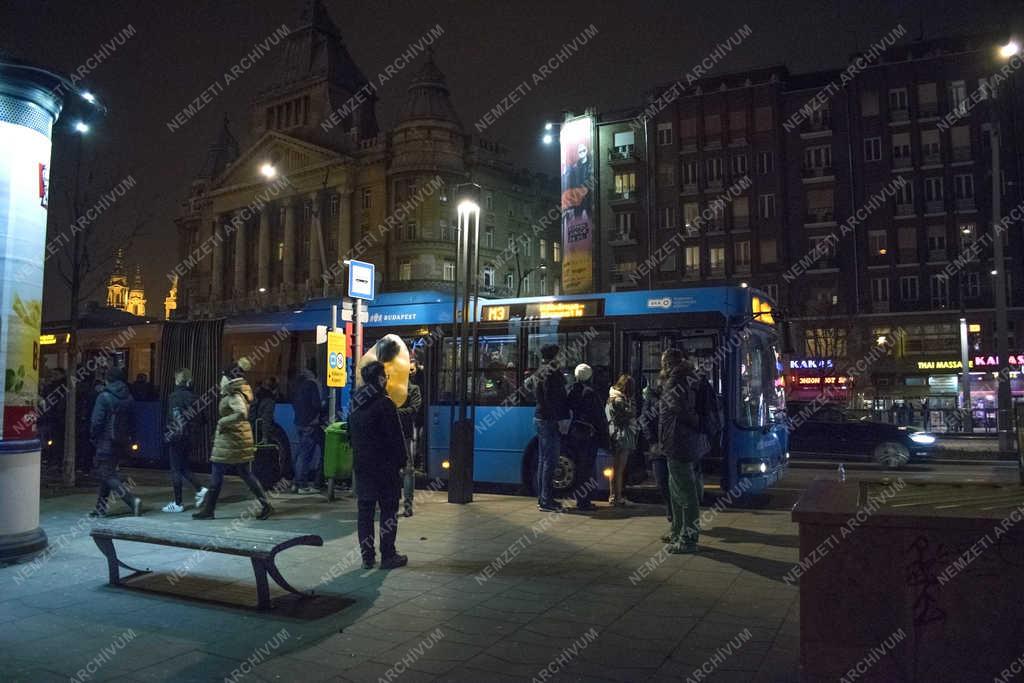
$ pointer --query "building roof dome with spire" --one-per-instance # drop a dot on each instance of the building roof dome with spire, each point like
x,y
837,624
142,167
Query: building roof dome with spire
x,y
221,154
428,96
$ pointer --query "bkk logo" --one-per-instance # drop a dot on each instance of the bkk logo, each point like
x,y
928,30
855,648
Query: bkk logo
x,y
664,302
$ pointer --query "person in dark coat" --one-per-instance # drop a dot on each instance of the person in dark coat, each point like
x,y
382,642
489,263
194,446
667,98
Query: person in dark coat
x,y
264,405
378,454
308,405
110,432
551,418
684,445
588,432
142,389
656,459
180,423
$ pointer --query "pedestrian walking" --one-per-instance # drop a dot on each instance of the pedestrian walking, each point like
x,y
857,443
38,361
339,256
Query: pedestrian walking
x,y
409,416
551,418
684,444
308,404
111,429
622,431
378,453
233,445
587,432
181,420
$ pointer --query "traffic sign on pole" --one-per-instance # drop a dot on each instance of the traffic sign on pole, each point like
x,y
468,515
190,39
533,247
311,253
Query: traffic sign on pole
x,y
361,280
336,374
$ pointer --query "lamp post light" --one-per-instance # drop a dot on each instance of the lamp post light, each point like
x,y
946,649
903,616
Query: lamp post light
x,y
1004,419
465,351
522,278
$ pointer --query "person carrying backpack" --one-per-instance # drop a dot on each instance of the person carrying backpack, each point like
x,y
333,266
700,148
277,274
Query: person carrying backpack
x,y
684,444
111,428
179,425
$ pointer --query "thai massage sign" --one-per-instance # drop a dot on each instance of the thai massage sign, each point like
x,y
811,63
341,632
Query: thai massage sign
x,y
993,361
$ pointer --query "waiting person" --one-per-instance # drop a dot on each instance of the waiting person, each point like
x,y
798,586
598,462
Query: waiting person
x,y
551,418
308,405
587,432
684,445
263,409
233,446
111,431
621,414
654,454
408,414
181,421
142,388
378,453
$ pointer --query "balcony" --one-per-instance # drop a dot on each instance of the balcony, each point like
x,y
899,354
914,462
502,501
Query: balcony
x,y
880,306
818,216
931,158
965,204
905,210
691,272
935,206
899,115
715,184
820,172
902,160
961,154
741,222
817,124
450,234
716,270
936,255
907,255
620,238
623,155
927,110
619,197
622,274
690,188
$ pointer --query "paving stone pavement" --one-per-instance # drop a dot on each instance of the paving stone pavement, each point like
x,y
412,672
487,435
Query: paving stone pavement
x,y
494,591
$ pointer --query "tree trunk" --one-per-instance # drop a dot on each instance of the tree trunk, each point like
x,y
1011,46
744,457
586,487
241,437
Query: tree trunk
x,y
70,410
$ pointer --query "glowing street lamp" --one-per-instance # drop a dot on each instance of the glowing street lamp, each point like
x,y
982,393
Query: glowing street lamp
x,y
268,171
1009,50
81,127
89,97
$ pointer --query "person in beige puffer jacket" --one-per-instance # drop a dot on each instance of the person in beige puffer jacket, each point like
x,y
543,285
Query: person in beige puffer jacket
x,y
233,444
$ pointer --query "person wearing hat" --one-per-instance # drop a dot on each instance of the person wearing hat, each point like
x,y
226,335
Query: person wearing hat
x,y
587,433
111,430
233,445
551,418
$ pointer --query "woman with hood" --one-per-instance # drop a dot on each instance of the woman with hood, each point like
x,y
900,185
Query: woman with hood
x,y
233,445
622,429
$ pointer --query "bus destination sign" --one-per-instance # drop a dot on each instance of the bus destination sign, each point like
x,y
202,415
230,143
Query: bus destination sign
x,y
583,308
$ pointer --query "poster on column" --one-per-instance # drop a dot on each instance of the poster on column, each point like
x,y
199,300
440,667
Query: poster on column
x,y
24,194
578,205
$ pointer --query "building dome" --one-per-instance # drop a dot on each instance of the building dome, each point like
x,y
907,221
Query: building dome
x,y
428,97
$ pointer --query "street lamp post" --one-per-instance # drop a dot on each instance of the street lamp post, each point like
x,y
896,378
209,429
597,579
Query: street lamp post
x,y
1004,399
522,278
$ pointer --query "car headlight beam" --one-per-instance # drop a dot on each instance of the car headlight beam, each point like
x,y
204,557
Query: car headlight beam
x,y
922,438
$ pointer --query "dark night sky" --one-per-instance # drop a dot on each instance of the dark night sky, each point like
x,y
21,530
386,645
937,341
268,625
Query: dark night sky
x,y
487,48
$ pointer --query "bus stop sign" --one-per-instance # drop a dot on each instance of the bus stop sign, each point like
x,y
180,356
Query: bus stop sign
x,y
361,280
336,375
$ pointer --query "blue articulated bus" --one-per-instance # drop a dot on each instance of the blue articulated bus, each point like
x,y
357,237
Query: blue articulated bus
x,y
730,331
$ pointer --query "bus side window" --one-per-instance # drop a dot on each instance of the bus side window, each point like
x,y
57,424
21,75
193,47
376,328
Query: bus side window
x,y
498,372
751,410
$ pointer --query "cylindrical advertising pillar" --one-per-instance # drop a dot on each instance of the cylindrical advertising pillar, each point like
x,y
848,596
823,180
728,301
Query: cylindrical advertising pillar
x,y
30,101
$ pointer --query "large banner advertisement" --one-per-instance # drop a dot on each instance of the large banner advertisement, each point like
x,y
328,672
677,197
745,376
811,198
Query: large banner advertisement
x,y
24,190
578,205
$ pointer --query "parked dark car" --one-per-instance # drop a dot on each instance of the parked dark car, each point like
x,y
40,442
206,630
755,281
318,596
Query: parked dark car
x,y
828,430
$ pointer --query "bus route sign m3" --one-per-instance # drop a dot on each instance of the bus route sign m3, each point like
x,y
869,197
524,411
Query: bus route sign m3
x,y
361,280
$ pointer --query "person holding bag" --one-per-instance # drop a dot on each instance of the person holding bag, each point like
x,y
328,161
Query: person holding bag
x,y
621,413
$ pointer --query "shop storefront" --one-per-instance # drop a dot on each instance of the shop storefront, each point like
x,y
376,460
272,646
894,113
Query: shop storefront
x,y
808,379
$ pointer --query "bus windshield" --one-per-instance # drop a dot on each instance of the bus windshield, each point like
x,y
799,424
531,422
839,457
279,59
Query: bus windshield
x,y
760,396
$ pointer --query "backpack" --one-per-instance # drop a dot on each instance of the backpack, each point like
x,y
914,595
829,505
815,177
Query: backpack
x,y
709,409
121,423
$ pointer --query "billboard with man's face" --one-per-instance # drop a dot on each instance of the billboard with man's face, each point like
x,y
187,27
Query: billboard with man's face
x,y
578,205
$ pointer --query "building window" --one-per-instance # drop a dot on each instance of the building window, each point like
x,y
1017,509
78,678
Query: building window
x,y
449,271
542,284
825,342
556,252
869,103
905,199
691,265
525,285
668,263
489,201
880,290
740,213
664,133
511,242
767,204
763,119
625,183
543,248
818,157
936,242
666,174
405,269
510,280
939,286
878,242
739,165
667,217
933,189
488,277
906,241
366,198
742,255
824,251
897,100
958,96
901,150
769,252
713,168
963,185
765,162
972,283
908,288
716,259
334,205
624,221
489,237
772,290
872,149
930,147
689,172
411,231
691,215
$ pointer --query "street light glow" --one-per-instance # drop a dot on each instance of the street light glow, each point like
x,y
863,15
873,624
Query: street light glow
x,y
548,139
268,170
81,127
1009,50
547,126
89,97
995,272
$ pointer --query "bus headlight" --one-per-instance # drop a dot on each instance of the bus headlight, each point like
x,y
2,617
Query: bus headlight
x,y
753,467
922,438
445,464
787,455
608,472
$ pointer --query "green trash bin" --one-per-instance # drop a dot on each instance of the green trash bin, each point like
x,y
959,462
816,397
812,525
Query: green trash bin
x,y
337,455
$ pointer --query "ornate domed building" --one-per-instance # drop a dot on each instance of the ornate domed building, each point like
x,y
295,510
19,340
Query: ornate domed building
x,y
266,226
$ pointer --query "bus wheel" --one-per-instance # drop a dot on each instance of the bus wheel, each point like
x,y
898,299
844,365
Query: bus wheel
x,y
563,481
891,455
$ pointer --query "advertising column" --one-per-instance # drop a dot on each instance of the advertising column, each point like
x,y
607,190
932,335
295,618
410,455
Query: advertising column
x,y
28,109
578,205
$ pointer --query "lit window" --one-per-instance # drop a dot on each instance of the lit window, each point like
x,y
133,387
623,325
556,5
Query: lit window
x,y
449,271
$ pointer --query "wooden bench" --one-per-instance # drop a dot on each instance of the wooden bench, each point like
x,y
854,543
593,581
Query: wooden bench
x,y
260,546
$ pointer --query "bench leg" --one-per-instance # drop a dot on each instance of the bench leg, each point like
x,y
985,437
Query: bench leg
x,y
259,567
279,580
106,546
